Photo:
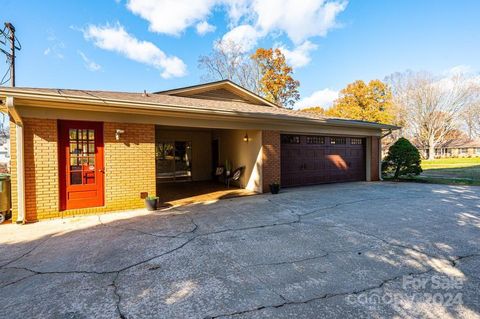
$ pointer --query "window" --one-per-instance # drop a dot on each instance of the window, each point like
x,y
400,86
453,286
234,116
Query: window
x,y
315,140
356,141
463,151
290,139
173,161
477,150
338,140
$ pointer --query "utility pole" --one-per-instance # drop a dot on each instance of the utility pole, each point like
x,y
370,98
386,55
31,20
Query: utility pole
x,y
11,28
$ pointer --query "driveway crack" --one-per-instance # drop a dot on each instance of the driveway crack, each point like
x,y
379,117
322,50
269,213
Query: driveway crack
x,y
135,230
119,297
25,254
286,262
322,297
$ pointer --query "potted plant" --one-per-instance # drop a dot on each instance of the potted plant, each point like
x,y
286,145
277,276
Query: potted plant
x,y
151,202
274,188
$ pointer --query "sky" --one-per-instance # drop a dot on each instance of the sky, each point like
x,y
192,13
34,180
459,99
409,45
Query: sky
x,y
153,45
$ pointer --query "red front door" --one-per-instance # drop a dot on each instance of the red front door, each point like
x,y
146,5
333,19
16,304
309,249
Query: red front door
x,y
81,164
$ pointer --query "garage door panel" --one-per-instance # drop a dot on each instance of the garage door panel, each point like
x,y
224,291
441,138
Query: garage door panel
x,y
308,160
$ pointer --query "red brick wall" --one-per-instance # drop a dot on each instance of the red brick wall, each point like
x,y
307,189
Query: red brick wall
x,y
375,158
270,158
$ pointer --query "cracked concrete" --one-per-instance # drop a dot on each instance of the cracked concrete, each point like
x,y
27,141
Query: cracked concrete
x,y
323,251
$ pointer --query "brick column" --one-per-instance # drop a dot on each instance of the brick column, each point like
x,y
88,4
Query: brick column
x,y
374,158
270,159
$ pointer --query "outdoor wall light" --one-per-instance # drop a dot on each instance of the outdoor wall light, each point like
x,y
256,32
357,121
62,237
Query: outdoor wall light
x,y
245,138
118,132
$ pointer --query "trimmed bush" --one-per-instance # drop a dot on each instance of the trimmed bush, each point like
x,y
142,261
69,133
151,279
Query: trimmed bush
x,y
403,159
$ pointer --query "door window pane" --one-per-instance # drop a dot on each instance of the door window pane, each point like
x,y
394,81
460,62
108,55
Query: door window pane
x,y
75,178
73,134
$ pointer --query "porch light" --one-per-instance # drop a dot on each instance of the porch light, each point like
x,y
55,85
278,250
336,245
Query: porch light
x,y
245,138
118,132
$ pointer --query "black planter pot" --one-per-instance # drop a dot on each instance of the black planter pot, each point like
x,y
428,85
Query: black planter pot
x,y
274,188
152,204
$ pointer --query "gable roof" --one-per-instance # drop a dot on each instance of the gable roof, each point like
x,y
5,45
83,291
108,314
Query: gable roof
x,y
462,143
224,90
455,143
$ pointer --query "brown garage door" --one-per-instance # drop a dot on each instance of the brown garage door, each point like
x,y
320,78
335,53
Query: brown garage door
x,y
309,160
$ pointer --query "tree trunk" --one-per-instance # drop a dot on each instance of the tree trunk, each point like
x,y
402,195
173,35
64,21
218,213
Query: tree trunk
x,y
397,172
431,152
431,148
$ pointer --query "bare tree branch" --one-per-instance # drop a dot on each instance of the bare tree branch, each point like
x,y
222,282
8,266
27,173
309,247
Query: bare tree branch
x,y
229,62
432,106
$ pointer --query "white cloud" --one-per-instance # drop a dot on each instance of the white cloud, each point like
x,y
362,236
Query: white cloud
x,y
115,38
459,69
56,47
171,16
204,27
323,98
300,56
298,19
245,36
89,64
249,20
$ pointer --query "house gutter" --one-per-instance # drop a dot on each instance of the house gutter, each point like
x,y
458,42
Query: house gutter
x,y
123,105
20,158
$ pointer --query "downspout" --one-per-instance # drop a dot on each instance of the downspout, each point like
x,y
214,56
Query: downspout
x,y
380,153
10,103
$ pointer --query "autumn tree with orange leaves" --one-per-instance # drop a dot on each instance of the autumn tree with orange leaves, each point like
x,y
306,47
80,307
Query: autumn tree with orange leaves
x,y
276,83
364,101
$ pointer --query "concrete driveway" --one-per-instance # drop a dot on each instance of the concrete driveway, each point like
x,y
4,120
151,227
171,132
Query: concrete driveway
x,y
348,250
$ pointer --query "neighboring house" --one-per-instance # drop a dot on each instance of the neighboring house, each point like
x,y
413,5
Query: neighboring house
x,y
78,152
462,147
5,152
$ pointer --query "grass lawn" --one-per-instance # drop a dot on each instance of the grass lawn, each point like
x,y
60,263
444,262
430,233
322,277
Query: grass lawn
x,y
455,171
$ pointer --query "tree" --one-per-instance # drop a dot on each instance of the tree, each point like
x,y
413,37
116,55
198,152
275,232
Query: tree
x,y
432,105
471,117
315,109
402,159
229,62
4,134
366,102
276,83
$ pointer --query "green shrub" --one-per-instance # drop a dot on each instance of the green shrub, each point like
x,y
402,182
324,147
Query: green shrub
x,y
402,159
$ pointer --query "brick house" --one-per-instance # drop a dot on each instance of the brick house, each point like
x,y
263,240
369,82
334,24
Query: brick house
x,y
461,147
79,152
